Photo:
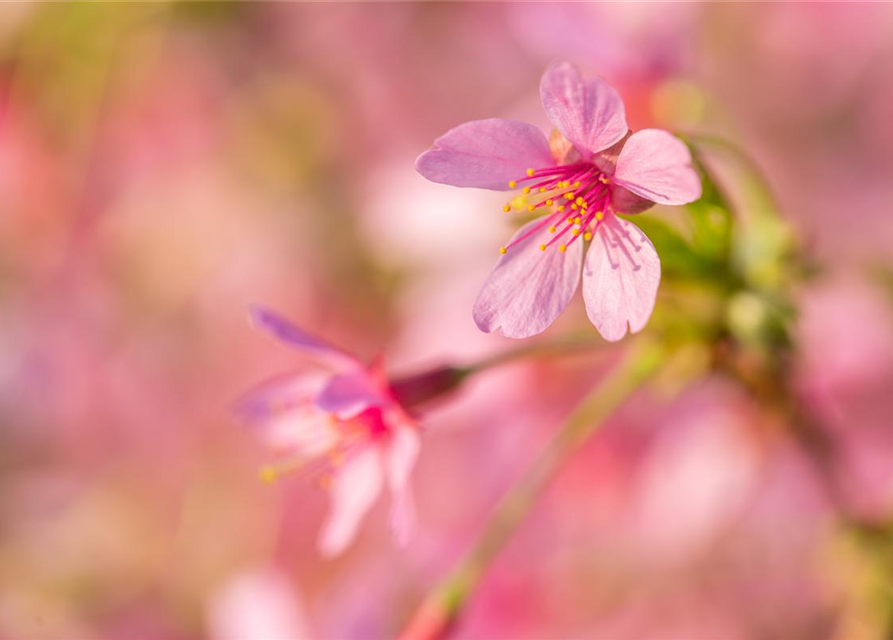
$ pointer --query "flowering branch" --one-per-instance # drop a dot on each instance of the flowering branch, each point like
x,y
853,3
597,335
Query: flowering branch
x,y
443,605
414,390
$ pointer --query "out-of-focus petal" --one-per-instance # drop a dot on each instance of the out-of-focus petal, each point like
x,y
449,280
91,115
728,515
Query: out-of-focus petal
x,y
348,394
528,288
283,412
286,390
400,458
258,604
354,489
588,112
486,154
620,278
656,165
286,332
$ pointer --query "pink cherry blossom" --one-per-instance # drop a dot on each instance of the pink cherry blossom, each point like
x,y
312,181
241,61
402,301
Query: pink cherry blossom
x,y
589,170
342,423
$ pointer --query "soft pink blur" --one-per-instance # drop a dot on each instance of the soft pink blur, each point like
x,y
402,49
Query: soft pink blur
x,y
162,166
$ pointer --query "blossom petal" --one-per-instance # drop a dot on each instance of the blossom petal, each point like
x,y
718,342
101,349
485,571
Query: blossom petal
x,y
284,415
656,165
486,154
620,278
286,390
400,459
528,288
284,331
354,489
348,394
588,112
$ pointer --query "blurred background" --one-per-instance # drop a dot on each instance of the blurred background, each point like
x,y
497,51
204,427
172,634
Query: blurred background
x,y
163,165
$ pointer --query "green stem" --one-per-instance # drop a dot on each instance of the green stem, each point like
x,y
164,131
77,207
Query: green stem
x,y
443,606
543,349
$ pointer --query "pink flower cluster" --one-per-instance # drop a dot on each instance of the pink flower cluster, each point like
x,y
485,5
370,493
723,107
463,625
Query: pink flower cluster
x,y
348,424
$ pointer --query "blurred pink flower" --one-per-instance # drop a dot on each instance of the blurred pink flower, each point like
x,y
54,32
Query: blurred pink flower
x,y
260,603
344,424
590,169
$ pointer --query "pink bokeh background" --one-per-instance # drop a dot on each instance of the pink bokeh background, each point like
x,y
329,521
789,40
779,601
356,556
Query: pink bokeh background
x,y
164,165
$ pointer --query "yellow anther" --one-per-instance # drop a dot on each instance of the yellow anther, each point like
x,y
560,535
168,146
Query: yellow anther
x,y
506,208
587,236
577,183
562,248
530,207
268,474
569,195
585,205
580,201
576,232
512,184
561,207
549,203
570,220
599,215
574,206
603,179
502,250
552,229
542,189
530,173
526,190
577,220
542,247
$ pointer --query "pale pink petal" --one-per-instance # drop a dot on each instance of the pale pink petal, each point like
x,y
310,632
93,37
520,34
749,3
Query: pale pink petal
x,y
656,165
354,489
400,457
588,112
303,431
283,413
486,154
285,331
528,289
348,394
258,604
283,391
620,278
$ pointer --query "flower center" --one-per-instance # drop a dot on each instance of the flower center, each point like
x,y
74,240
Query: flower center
x,y
576,197
333,442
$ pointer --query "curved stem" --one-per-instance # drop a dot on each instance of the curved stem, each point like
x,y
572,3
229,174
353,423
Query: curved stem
x,y
555,347
444,604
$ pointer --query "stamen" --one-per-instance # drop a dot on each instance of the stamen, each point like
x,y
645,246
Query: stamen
x,y
512,184
542,247
530,173
506,208
562,248
587,236
502,250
